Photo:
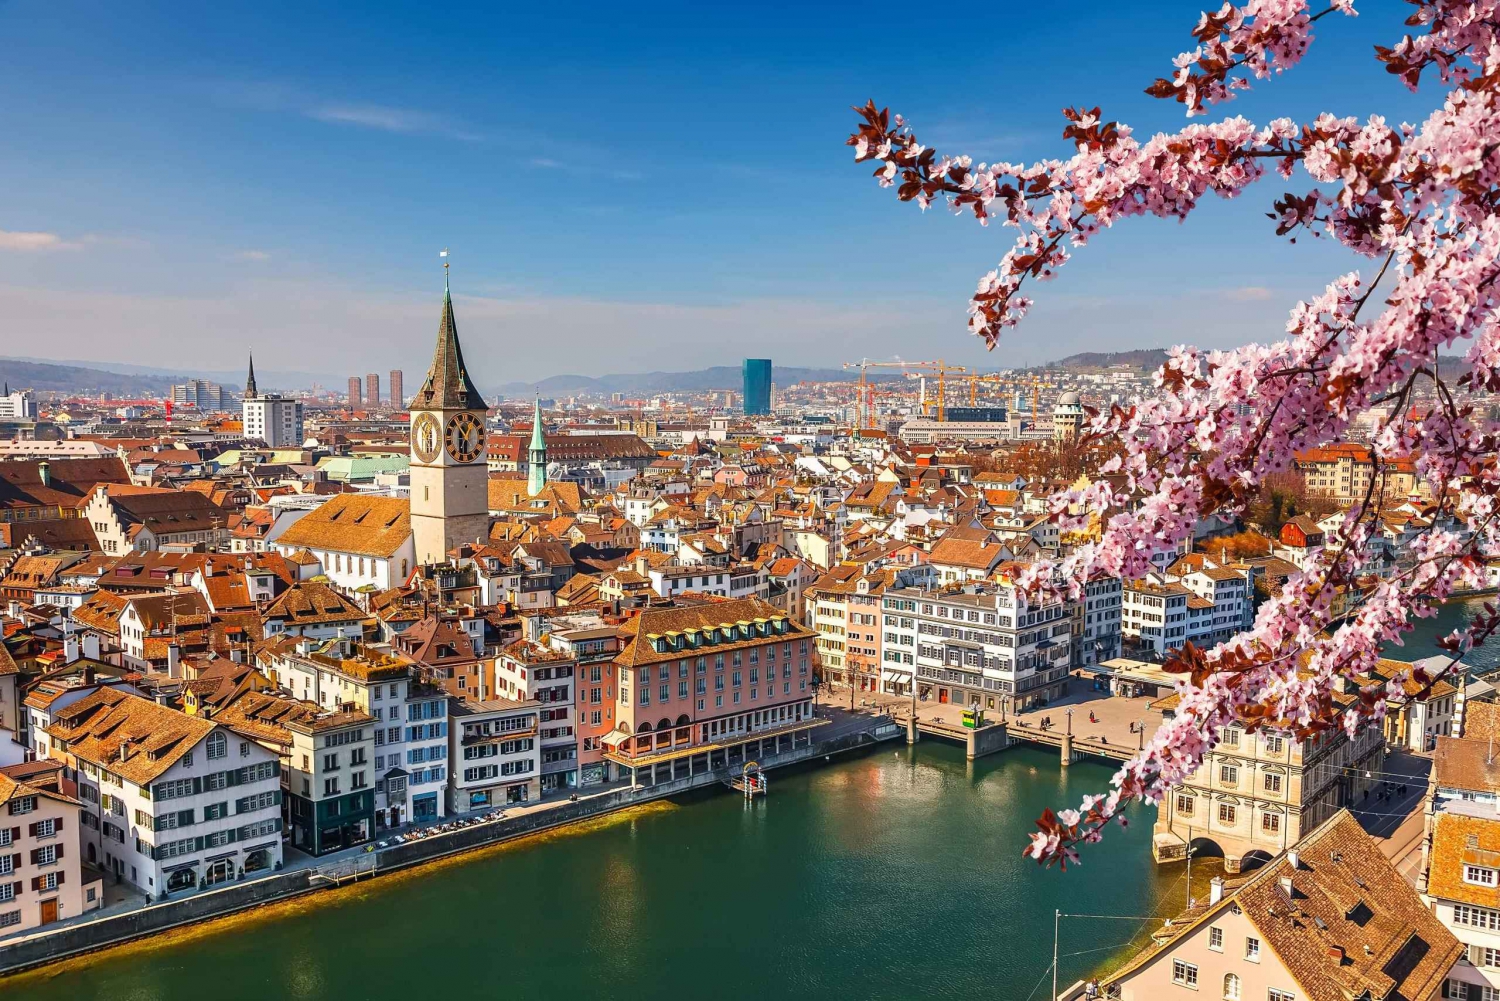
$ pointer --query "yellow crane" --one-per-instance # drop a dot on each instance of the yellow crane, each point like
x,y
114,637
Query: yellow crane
x,y
941,368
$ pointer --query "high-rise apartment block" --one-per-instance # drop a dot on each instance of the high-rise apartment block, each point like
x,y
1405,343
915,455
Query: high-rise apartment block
x,y
372,390
271,418
204,396
757,372
398,390
354,392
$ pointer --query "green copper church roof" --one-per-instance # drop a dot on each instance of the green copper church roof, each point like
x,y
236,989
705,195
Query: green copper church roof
x,y
538,442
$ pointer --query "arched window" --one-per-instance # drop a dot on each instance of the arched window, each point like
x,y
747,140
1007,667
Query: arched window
x,y
1231,987
218,747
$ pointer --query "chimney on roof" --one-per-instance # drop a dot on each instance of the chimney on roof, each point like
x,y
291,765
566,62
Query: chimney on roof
x,y
1216,889
1336,953
174,660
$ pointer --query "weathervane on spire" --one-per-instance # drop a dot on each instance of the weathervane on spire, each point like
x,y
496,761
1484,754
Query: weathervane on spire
x,y
444,255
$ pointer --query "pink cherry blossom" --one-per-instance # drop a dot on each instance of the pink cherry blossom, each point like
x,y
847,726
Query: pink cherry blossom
x,y
1419,204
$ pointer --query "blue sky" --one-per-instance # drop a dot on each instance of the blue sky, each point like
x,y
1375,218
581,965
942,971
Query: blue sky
x,y
623,188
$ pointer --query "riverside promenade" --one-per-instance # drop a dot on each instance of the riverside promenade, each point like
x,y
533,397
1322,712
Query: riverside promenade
x,y
841,731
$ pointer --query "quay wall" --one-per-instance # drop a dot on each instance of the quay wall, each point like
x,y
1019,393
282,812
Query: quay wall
x,y
42,948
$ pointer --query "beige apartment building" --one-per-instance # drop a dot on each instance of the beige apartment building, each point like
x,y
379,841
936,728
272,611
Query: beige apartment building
x,y
1331,918
42,878
1256,794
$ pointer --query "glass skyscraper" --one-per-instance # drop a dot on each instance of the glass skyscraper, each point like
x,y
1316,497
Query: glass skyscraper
x,y
757,385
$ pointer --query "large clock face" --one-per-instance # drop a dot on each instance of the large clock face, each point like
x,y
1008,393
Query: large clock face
x,y
425,434
465,437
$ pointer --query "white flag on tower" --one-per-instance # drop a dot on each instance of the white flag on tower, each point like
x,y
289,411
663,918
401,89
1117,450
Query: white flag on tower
x,y
443,254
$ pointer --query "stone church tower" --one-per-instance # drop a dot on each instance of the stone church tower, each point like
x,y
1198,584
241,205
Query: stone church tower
x,y
449,478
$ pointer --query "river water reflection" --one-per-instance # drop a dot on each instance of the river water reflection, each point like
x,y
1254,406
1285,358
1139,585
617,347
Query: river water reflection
x,y
894,875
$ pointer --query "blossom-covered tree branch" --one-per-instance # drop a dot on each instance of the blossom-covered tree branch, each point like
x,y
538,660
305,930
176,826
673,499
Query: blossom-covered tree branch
x,y
1420,202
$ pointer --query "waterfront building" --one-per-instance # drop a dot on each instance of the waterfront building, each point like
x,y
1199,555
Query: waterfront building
x,y
1460,874
988,644
1096,621
1256,794
1155,615
270,418
593,644
324,756
42,875
1331,918
360,540
757,385
409,715
1206,606
847,617
700,683
534,668
170,801
449,479
496,756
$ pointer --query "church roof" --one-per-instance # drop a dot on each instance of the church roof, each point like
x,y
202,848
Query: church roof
x,y
448,386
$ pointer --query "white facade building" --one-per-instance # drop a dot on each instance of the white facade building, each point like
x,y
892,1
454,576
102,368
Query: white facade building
x,y
171,801
988,645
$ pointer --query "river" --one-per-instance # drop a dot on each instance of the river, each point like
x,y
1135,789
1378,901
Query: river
x,y
1422,640
893,875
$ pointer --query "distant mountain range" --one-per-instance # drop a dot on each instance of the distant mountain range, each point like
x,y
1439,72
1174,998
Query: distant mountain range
x,y
115,378
137,380
1142,358
704,380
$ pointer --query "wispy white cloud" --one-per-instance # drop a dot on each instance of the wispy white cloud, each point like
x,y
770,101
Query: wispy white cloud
x,y
252,255
287,98
585,168
1248,293
406,121
44,242
34,242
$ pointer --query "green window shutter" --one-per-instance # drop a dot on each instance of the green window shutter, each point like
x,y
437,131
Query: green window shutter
x,y
185,818
277,800
197,784
198,843
233,835
237,776
278,824
276,767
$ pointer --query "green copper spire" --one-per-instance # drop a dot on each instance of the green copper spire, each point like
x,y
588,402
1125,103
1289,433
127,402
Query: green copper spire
x,y
536,456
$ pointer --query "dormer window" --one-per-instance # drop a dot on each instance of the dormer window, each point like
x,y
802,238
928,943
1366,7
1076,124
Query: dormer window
x,y
1479,875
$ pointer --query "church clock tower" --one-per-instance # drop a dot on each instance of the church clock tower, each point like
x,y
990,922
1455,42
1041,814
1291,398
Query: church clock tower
x,y
449,477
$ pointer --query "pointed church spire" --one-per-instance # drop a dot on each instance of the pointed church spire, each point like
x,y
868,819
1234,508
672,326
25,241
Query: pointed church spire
x,y
448,386
536,455
250,392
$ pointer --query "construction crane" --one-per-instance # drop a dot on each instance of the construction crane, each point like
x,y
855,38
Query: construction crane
x,y
942,369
